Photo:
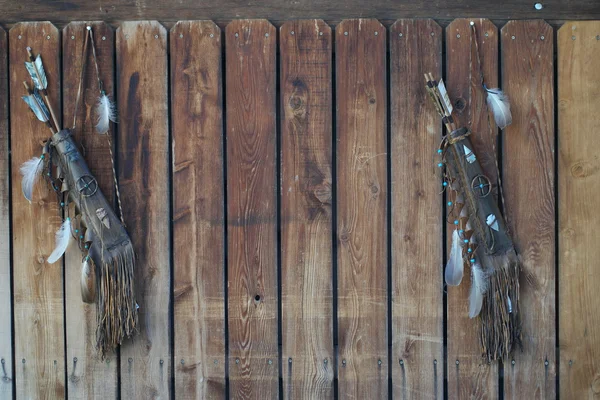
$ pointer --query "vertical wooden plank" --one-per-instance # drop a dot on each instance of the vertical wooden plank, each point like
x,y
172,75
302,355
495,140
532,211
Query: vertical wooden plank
x,y
198,210
252,209
417,222
306,241
38,286
578,192
362,208
468,374
6,367
144,178
527,79
88,377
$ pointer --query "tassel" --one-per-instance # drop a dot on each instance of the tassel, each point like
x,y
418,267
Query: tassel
x,y
63,238
499,105
479,286
88,280
31,171
106,112
455,265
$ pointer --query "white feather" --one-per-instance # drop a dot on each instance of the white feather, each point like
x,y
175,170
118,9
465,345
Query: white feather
x,y
31,171
479,286
105,112
455,266
500,106
63,238
88,280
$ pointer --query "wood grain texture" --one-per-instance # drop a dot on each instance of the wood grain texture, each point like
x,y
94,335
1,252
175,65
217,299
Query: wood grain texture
x,y
281,10
144,179
198,210
88,377
362,208
38,286
306,197
468,375
417,222
6,365
528,163
252,209
578,191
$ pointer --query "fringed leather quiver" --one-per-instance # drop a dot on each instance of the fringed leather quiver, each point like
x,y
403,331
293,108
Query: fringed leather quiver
x,y
485,244
108,244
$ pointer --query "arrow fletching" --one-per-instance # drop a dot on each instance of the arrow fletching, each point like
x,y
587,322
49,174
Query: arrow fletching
x,y
37,106
37,73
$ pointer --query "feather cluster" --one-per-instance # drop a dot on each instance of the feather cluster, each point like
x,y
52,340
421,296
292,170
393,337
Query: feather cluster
x,y
499,105
63,238
455,266
105,112
31,171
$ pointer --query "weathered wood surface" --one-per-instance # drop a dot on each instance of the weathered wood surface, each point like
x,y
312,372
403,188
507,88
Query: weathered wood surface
x,y
362,182
38,286
306,198
468,375
252,209
282,10
417,222
6,360
198,210
578,191
144,178
528,164
88,377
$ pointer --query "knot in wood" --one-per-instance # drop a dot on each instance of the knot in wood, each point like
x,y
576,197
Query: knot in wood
x,y
323,193
460,104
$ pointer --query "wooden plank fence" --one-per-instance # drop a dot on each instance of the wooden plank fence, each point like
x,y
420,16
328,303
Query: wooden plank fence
x,y
281,190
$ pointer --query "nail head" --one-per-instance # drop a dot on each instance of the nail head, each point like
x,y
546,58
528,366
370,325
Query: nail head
x,y
400,34
320,33
212,35
162,362
182,361
270,362
486,34
542,37
573,37
290,360
181,35
74,359
266,35
434,362
458,35
538,6
432,33
513,37
72,37
155,36
292,33
48,37
379,362
237,360
103,37
216,362
20,37
457,362
546,363
513,362
401,362
376,33
130,360
345,33
237,34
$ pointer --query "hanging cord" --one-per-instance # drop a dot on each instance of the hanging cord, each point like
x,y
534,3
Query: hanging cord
x,y
112,157
83,63
474,42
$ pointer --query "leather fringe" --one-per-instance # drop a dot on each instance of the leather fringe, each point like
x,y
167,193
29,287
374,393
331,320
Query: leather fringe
x,y
117,316
500,315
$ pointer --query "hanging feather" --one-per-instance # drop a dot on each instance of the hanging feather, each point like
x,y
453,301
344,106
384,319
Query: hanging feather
x,y
106,112
479,286
88,280
31,171
38,77
499,105
455,266
63,238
